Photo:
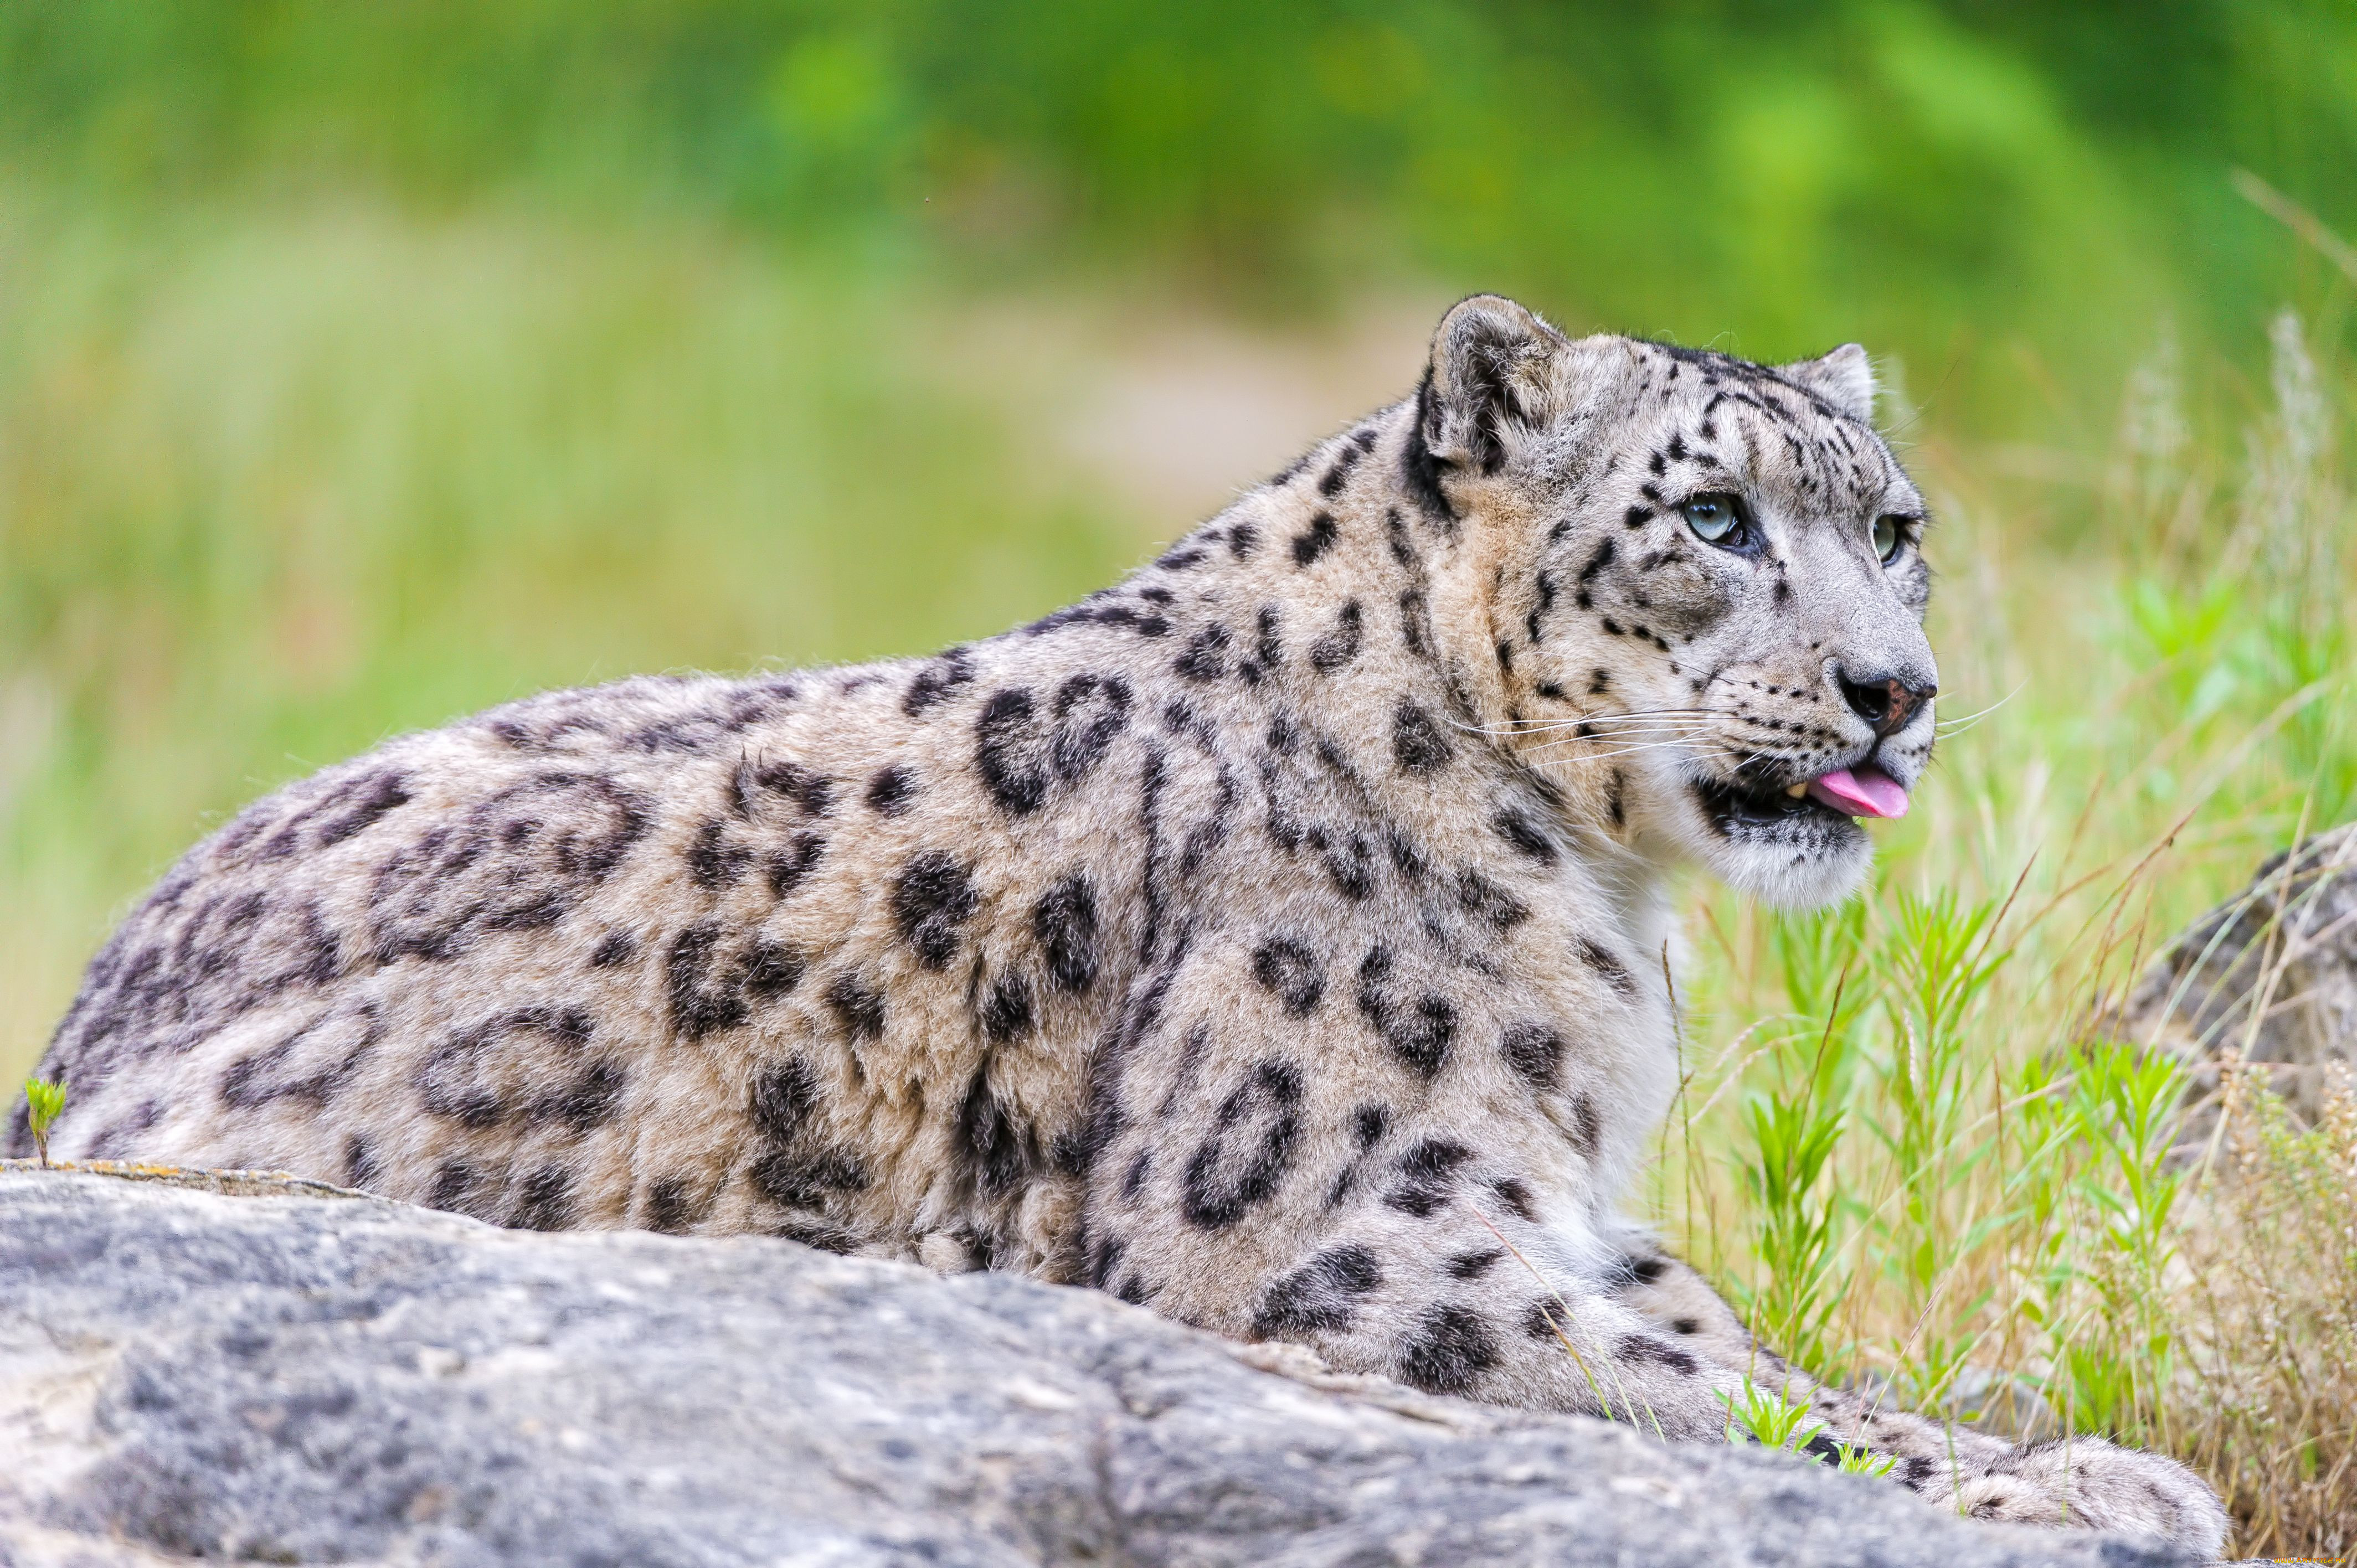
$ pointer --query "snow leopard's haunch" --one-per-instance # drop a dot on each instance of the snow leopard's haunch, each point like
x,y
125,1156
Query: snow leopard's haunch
x,y
1277,939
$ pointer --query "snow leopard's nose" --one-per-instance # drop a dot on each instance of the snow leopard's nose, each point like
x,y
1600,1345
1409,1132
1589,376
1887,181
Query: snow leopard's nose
x,y
1883,701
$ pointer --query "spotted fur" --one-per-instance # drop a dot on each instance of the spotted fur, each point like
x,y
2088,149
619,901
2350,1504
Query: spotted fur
x,y
1277,939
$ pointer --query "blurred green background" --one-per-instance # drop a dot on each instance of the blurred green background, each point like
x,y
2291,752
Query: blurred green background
x,y
360,366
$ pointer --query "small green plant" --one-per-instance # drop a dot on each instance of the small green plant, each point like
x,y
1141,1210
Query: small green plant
x,y
1794,1134
2125,1105
1857,1459
44,1100
1766,1417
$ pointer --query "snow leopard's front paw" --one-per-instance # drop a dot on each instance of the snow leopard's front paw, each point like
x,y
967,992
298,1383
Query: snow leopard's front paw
x,y
2085,1483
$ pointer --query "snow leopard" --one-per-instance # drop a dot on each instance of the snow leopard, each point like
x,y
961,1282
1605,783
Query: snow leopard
x,y
1278,941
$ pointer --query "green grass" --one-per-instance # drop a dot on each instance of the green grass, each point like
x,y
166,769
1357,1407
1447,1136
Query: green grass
x,y
43,1102
283,476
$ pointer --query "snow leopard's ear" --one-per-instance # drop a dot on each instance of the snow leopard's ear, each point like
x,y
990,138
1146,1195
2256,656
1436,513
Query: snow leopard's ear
x,y
1492,372
1844,378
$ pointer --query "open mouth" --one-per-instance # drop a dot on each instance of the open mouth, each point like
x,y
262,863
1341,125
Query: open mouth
x,y
1843,794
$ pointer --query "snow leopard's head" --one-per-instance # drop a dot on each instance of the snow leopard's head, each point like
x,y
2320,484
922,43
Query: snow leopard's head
x,y
1705,584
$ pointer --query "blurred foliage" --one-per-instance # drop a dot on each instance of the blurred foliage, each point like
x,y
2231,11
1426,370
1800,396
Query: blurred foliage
x,y
1920,176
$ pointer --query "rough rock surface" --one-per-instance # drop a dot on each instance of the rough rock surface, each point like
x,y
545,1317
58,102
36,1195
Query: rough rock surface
x,y
2284,949
302,1379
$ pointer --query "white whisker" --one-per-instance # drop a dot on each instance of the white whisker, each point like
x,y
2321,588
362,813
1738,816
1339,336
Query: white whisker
x,y
1952,726
1623,751
1631,732
1527,726
1600,725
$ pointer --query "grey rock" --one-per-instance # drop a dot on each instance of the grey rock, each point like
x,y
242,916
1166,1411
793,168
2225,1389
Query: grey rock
x,y
2271,972
309,1378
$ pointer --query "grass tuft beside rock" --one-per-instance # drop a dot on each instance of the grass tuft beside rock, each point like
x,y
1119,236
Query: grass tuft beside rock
x,y
43,1101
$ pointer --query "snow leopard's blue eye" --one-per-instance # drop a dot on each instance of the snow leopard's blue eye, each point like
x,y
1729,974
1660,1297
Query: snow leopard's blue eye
x,y
1889,536
1716,519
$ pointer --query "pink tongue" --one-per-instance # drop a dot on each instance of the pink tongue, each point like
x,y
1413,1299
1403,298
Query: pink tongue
x,y
1869,792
